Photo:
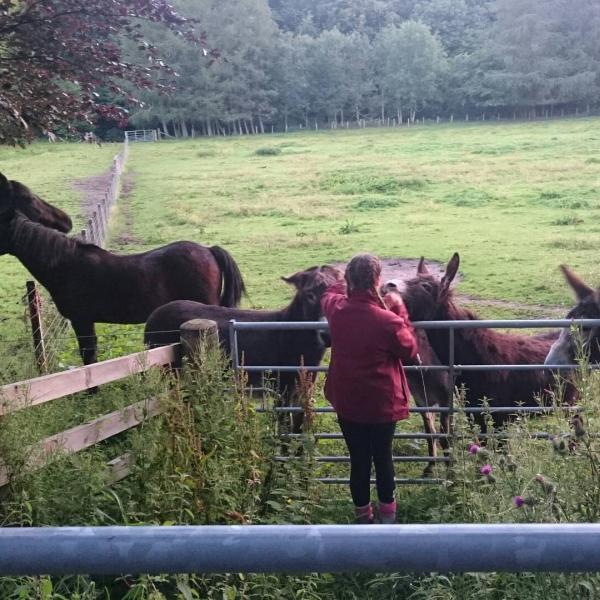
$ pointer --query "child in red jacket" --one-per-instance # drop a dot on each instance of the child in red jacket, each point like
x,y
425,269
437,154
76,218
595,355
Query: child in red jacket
x,y
366,383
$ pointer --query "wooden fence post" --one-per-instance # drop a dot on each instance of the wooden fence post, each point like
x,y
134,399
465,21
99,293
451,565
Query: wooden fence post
x,y
35,317
197,336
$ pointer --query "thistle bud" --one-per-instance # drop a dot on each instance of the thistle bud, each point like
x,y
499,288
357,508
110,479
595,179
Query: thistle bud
x,y
546,484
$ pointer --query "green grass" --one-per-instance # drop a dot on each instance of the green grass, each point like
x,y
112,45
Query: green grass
x,y
500,194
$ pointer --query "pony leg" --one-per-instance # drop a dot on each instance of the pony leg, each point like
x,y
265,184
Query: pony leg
x,y
87,340
429,428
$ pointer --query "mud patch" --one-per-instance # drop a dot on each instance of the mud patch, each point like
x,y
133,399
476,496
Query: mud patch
x,y
406,268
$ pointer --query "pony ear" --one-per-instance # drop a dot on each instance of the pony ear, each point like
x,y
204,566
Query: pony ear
x,y
451,270
4,184
581,289
297,279
422,267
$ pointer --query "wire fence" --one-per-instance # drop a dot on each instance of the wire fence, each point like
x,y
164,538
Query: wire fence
x,y
49,329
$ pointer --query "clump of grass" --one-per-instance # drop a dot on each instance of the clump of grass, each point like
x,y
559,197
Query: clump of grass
x,y
342,182
349,227
593,161
550,195
572,220
267,151
375,203
205,153
469,198
572,244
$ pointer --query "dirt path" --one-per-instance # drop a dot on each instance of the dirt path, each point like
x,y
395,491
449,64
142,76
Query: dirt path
x,y
125,235
92,190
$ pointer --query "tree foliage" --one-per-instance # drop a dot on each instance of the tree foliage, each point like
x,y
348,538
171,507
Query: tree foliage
x,y
294,63
54,55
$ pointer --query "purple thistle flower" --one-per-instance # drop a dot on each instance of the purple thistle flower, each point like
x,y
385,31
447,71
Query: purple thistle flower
x,y
474,448
486,469
518,501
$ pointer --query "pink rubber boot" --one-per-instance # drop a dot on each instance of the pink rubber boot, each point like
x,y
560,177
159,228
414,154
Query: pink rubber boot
x,y
363,514
387,512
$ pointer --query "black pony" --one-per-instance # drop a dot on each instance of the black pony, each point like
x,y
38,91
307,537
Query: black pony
x,y
259,347
90,285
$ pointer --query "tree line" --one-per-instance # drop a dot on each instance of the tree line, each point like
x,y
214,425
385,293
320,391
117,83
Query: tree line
x,y
306,63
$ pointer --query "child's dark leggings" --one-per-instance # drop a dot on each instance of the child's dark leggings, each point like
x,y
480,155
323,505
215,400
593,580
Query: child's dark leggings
x,y
367,444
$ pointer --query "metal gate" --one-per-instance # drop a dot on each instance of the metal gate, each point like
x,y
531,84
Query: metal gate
x,y
451,368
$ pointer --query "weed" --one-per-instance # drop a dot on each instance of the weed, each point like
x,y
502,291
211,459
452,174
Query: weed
x,y
349,227
572,220
267,151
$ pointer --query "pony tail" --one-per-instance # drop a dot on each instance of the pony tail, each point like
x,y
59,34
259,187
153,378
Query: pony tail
x,y
232,282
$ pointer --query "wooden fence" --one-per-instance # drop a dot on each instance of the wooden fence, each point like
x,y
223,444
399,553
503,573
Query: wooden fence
x,y
33,392
25,394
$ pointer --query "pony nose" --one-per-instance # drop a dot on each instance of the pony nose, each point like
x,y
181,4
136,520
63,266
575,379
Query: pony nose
x,y
393,285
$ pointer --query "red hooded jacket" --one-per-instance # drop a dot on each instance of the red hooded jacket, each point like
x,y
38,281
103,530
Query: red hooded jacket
x,y
366,382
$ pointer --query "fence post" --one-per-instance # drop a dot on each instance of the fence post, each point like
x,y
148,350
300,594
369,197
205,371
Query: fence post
x,y
35,317
197,336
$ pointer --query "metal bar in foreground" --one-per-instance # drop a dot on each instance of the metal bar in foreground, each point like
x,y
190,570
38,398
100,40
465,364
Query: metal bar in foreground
x,y
300,549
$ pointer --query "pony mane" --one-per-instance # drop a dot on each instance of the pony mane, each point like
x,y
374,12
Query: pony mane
x,y
36,239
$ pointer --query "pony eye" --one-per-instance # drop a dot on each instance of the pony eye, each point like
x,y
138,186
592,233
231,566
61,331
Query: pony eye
x,y
426,286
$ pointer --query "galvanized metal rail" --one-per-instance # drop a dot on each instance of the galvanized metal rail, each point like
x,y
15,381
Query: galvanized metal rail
x,y
300,549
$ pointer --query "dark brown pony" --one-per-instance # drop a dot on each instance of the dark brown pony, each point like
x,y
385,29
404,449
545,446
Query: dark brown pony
x,y
566,349
430,299
17,197
90,285
259,347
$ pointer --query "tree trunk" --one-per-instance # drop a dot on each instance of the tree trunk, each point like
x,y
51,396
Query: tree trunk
x,y
184,129
261,124
209,131
164,126
382,107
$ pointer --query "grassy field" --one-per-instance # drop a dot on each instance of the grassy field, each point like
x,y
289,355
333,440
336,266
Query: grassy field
x,y
515,200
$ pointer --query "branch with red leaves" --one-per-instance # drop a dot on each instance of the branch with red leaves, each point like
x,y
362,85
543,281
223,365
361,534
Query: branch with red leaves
x,y
54,54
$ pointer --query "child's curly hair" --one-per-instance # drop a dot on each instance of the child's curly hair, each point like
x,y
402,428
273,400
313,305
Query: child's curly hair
x,y
362,273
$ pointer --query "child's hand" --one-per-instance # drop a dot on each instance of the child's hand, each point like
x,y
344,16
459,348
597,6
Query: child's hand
x,y
395,303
